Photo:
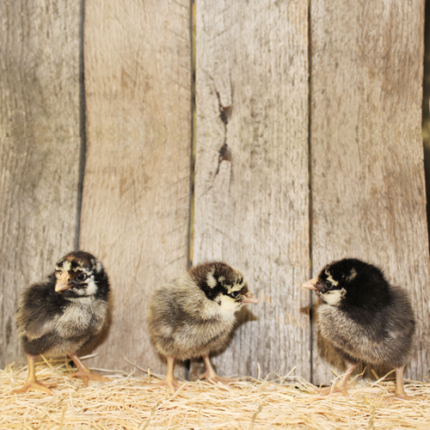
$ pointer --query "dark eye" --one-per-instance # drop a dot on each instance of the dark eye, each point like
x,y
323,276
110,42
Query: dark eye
x,y
329,284
81,277
234,294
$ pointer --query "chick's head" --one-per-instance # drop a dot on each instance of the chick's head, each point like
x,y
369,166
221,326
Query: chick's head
x,y
79,274
351,282
222,284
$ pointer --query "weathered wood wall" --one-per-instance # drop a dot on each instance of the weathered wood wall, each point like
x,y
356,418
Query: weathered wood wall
x,y
136,195
368,191
40,147
278,191
251,173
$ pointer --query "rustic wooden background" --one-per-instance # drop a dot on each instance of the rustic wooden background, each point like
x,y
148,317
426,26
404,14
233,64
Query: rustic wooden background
x,y
277,136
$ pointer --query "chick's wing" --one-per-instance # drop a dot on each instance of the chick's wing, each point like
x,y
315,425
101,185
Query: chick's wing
x,y
37,312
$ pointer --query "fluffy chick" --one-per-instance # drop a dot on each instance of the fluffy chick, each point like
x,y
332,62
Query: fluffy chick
x,y
194,315
61,315
364,317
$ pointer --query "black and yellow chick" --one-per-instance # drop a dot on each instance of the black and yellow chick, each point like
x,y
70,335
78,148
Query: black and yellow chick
x,y
364,317
194,315
61,315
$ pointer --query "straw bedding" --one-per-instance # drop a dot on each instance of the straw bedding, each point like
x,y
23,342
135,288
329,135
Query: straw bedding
x,y
133,401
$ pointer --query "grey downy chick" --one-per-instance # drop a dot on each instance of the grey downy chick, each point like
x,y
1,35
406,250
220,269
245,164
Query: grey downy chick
x,y
364,317
193,316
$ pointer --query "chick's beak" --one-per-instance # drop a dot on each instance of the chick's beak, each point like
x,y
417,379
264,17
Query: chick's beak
x,y
310,285
62,282
250,298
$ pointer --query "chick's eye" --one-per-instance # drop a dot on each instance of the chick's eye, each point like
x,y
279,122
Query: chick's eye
x,y
81,277
329,284
234,294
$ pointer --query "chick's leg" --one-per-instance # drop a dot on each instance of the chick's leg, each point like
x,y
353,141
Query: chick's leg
x,y
170,381
84,373
399,392
342,386
210,374
32,383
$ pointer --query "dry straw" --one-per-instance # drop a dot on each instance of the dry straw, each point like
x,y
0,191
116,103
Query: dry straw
x,y
132,401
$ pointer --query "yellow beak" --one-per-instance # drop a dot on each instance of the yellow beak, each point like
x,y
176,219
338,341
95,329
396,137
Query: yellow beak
x,y
62,282
310,285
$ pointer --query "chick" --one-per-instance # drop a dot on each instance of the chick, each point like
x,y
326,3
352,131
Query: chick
x,y
364,317
61,315
194,315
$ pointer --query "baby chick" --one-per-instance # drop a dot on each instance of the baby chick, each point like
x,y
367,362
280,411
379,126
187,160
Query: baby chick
x,y
194,315
61,315
364,317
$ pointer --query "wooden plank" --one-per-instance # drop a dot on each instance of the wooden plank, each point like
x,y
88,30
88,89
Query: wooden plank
x,y
368,192
426,104
39,147
251,177
136,197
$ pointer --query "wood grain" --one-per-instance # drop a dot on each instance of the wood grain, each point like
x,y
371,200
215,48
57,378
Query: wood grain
x,y
136,197
368,191
39,147
251,174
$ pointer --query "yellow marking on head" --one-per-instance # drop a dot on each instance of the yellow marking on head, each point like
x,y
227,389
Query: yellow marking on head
x,y
210,279
329,278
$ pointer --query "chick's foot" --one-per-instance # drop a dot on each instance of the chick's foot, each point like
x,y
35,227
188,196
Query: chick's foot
x,y
336,389
399,392
210,374
342,386
89,376
402,396
394,397
85,373
171,383
33,385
